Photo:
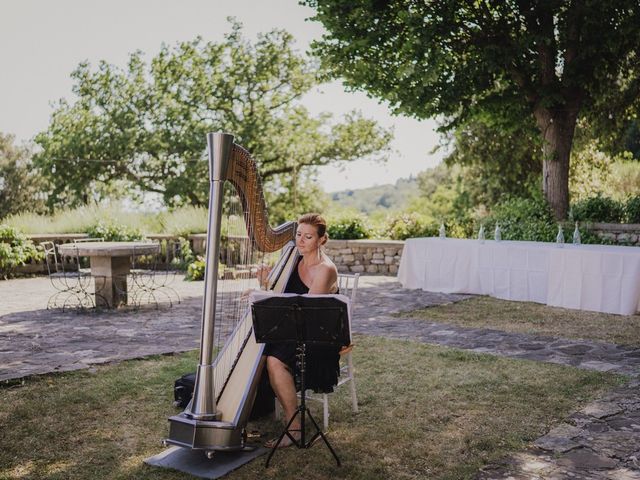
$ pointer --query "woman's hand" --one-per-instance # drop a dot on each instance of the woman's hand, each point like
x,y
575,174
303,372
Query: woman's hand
x,y
262,274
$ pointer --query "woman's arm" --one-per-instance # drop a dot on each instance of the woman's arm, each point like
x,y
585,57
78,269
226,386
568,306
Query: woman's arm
x,y
324,280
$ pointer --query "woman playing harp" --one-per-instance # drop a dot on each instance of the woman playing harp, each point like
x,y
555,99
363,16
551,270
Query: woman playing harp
x,y
315,273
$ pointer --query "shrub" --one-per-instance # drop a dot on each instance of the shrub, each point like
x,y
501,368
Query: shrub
x,y
195,270
409,225
632,209
352,227
185,255
523,219
598,209
15,250
113,232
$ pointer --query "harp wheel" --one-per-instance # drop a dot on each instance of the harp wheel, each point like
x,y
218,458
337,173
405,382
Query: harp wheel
x,y
210,454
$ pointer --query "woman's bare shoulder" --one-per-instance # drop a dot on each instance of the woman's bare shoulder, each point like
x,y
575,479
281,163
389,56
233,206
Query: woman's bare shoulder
x,y
327,267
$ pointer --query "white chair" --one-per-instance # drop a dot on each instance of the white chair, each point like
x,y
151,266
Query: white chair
x,y
348,285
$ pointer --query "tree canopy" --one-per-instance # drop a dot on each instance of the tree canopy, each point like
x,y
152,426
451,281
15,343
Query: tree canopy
x,y
554,60
142,128
21,186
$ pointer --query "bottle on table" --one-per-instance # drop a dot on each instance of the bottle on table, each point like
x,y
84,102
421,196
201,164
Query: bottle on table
x,y
576,235
560,236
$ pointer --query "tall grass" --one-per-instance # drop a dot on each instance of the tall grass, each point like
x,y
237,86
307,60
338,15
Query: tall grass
x,y
183,221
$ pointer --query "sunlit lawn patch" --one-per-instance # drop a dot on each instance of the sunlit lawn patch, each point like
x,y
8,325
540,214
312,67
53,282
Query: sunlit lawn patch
x,y
426,412
534,318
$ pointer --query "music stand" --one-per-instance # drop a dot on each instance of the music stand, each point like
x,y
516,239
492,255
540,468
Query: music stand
x,y
302,320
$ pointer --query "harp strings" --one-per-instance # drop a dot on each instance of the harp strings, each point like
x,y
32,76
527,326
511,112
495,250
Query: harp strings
x,y
239,260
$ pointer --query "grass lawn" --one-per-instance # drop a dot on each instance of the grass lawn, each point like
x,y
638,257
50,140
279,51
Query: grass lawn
x,y
534,318
426,412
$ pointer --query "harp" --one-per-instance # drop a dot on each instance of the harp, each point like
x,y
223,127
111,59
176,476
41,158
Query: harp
x,y
226,385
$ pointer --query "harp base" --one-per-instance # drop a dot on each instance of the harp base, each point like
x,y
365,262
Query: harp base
x,y
204,435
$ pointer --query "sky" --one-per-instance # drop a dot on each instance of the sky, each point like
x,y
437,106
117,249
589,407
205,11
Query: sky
x,y
43,41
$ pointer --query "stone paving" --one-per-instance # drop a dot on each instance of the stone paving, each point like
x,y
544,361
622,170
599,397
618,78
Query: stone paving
x,y
602,441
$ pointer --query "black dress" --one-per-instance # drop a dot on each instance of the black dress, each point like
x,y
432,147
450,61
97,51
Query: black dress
x,y
322,361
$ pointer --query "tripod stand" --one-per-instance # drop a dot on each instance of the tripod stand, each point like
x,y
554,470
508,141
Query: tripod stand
x,y
303,411
315,320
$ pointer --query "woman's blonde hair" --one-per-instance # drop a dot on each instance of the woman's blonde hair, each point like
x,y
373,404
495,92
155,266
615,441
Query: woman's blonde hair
x,y
316,220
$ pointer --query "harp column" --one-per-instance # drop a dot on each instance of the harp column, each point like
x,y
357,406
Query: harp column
x,y
203,406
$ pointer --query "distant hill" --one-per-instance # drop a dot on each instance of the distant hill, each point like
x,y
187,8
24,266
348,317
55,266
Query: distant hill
x,y
381,197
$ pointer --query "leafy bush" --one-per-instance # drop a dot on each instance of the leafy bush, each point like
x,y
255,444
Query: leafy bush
x,y
523,219
114,232
186,254
598,209
195,270
352,227
15,250
632,209
409,225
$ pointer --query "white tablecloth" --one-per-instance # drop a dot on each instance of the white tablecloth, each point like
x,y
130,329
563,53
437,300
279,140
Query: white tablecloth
x,y
601,278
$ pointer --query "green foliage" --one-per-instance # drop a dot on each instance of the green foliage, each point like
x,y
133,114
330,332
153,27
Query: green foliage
x,y
548,62
499,159
295,198
523,219
598,209
624,179
113,232
141,129
15,250
195,270
83,218
184,221
22,187
410,225
382,197
353,227
184,256
632,209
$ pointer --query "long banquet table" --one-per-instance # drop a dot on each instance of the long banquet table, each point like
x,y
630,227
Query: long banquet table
x,y
600,278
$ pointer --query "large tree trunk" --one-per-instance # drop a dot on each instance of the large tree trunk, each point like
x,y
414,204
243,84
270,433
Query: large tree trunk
x,y
557,128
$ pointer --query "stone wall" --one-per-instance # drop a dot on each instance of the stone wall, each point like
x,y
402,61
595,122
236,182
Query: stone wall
x,y
617,233
366,256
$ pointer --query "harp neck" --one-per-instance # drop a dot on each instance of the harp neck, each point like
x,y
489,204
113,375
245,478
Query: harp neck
x,y
242,172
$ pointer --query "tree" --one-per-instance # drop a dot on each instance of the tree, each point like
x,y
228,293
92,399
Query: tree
x,y
499,159
21,187
555,59
142,129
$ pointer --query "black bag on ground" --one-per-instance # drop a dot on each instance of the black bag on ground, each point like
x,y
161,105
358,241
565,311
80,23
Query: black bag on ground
x,y
183,389
264,404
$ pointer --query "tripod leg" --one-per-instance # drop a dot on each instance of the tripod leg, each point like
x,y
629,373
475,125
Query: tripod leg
x,y
320,434
282,435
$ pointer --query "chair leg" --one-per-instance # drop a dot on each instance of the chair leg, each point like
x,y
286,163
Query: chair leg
x,y
352,383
